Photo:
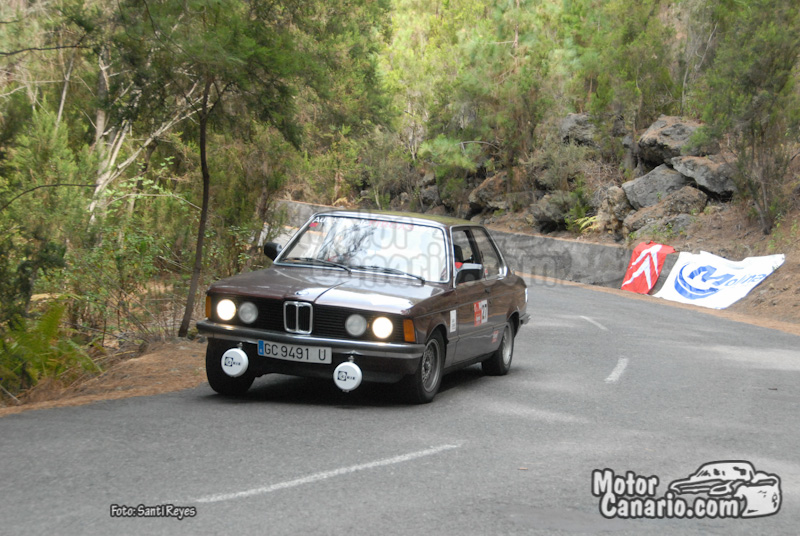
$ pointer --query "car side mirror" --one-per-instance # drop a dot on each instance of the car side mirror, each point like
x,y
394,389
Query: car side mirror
x,y
271,249
469,272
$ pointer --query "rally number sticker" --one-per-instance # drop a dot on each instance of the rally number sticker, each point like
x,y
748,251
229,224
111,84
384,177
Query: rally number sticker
x,y
481,310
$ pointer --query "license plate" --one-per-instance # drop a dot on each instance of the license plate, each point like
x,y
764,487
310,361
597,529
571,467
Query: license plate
x,y
295,352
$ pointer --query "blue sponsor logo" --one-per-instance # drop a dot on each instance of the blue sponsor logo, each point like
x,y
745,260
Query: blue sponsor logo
x,y
696,283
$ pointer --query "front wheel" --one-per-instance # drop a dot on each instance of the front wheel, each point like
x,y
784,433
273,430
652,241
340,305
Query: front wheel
x,y
423,385
500,362
217,379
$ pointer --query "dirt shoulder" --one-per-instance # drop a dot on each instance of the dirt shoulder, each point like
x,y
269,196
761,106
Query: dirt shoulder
x,y
724,231
167,367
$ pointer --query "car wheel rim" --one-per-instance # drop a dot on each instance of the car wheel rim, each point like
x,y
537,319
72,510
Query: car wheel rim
x,y
430,365
508,346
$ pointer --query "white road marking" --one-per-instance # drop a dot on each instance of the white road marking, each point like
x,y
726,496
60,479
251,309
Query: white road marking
x,y
316,477
618,370
595,322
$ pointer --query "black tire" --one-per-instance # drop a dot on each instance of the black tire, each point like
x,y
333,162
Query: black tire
x,y
422,386
217,379
500,362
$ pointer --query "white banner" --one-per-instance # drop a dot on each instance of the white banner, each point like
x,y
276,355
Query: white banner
x,y
711,281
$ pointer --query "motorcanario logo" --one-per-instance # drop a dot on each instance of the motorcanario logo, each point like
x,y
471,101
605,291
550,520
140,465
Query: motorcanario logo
x,y
717,490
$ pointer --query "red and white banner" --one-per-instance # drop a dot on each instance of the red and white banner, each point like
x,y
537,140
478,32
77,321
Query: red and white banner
x,y
645,266
711,281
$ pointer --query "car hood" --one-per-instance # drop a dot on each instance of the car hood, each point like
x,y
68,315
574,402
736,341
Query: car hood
x,y
359,290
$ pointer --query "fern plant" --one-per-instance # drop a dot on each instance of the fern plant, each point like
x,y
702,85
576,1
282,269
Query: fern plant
x,y
38,350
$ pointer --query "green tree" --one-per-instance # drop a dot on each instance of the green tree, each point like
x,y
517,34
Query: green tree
x,y
496,98
249,57
41,207
624,59
750,96
467,77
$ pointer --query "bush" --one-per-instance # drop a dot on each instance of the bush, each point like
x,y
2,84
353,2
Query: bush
x,y
751,100
32,351
557,165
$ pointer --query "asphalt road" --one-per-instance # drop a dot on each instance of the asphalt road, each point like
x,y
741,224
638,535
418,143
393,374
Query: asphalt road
x,y
598,381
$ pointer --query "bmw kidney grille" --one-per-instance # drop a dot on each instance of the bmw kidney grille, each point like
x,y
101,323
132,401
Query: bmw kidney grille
x,y
298,317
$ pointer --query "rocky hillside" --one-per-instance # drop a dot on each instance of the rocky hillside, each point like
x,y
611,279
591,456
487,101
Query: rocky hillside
x,y
672,184
671,193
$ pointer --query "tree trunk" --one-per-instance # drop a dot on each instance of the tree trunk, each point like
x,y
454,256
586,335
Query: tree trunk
x,y
64,90
102,97
137,190
109,145
201,230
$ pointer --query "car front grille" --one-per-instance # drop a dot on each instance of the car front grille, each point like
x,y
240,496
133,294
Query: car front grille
x,y
307,319
298,317
329,322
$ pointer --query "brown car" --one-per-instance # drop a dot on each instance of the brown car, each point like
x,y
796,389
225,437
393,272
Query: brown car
x,y
378,297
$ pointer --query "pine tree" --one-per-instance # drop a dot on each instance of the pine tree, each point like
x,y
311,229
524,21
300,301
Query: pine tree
x,y
750,96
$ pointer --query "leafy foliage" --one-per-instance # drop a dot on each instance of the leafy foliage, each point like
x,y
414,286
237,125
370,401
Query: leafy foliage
x,y
557,165
42,175
623,57
143,144
750,96
32,351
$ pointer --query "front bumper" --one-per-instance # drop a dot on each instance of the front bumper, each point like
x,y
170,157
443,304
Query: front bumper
x,y
380,361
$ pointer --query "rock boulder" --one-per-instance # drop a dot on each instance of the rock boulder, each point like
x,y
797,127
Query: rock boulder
x,y
673,213
578,129
490,194
550,211
712,174
666,139
612,210
429,196
649,189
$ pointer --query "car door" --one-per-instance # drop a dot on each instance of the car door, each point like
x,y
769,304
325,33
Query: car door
x,y
499,294
473,297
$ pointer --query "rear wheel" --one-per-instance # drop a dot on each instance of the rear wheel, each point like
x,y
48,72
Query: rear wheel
x,y
500,362
217,379
423,385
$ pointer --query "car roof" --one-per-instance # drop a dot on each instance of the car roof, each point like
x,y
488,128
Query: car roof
x,y
424,219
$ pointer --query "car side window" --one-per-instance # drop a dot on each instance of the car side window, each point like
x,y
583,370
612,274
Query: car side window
x,y
462,249
465,258
492,264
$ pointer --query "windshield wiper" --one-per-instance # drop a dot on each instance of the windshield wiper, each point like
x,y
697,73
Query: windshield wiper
x,y
319,262
387,270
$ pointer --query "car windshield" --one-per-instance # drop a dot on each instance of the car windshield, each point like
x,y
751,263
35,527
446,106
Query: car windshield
x,y
386,246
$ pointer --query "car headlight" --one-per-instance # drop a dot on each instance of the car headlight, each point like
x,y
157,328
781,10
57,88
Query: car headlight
x,y
382,327
226,309
248,312
355,325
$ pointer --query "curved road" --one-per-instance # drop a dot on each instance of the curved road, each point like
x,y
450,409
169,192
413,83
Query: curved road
x,y
598,381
